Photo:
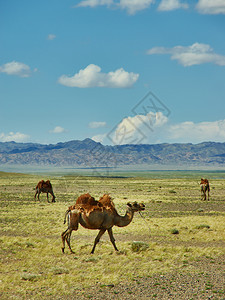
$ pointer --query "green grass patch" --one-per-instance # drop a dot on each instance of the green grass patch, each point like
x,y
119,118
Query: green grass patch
x,y
202,226
174,231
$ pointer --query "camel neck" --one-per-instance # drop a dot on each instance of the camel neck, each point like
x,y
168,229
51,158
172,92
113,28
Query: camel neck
x,y
122,221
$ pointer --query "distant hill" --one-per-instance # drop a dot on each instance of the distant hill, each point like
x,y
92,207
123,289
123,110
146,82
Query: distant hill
x,y
88,153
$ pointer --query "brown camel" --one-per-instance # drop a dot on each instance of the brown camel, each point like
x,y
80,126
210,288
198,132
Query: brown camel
x,y
102,216
204,186
44,187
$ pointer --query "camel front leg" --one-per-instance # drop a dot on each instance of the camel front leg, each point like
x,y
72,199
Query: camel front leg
x,y
53,197
97,239
112,238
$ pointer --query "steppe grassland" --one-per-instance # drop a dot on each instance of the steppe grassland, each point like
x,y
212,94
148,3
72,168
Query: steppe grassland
x,y
31,258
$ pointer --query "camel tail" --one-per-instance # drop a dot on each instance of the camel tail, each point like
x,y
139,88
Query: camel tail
x,y
66,215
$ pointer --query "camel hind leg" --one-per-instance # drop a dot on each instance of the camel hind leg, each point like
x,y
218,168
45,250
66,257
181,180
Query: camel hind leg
x,y
63,236
38,195
66,235
73,223
35,194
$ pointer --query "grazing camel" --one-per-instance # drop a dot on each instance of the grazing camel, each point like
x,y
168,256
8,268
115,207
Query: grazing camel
x,y
204,186
102,216
44,187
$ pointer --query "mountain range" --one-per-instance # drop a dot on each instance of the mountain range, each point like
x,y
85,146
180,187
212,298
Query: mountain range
x,y
91,154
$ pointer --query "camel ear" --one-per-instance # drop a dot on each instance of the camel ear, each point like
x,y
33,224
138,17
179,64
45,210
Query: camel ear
x,y
129,204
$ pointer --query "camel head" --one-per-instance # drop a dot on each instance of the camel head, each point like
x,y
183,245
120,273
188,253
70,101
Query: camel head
x,y
136,206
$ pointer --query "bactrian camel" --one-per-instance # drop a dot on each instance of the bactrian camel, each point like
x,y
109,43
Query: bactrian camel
x,y
101,215
204,186
44,187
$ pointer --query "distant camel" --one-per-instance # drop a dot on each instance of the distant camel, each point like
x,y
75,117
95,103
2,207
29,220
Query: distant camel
x,y
204,186
44,187
102,215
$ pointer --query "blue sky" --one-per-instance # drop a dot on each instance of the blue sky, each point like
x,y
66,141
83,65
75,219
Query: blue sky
x,y
117,71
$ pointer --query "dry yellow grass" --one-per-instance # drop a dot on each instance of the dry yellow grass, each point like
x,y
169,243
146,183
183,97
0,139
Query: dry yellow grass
x,y
32,264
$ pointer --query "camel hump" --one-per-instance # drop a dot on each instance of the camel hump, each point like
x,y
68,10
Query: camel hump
x,y
204,181
87,202
107,202
43,183
40,184
86,199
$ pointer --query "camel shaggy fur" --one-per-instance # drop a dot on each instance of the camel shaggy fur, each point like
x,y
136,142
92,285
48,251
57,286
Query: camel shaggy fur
x,y
100,215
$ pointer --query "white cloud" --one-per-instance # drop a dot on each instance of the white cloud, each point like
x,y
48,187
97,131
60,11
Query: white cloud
x,y
93,3
135,130
58,129
195,54
51,37
167,5
198,132
131,6
16,68
97,124
99,138
11,136
211,6
92,76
